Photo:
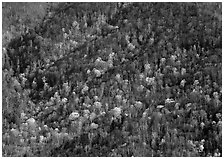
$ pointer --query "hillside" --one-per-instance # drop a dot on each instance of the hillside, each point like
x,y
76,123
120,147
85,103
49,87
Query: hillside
x,y
112,79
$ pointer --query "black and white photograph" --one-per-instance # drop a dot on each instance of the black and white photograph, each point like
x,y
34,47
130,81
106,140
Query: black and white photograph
x,y
111,79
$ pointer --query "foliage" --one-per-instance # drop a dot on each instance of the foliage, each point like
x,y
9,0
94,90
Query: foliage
x,y
113,79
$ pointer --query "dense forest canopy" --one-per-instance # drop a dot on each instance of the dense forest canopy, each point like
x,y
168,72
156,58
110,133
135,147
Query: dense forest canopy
x,y
112,79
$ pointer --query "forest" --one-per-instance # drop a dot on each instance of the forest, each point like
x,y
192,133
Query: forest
x,y
118,79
